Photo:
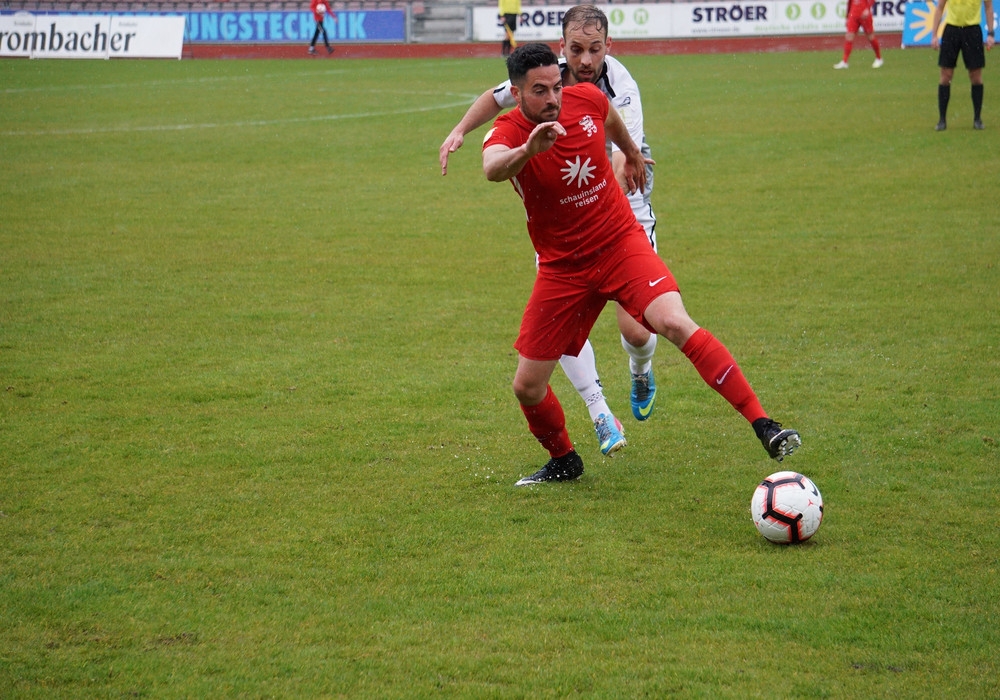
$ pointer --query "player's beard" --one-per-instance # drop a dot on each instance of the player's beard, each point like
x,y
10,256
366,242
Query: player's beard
x,y
549,113
591,76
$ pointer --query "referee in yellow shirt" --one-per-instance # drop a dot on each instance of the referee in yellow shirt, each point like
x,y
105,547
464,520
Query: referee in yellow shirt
x,y
509,11
962,35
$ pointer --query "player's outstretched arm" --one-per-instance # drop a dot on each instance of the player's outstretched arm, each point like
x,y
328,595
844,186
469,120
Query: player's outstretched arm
x,y
483,110
502,163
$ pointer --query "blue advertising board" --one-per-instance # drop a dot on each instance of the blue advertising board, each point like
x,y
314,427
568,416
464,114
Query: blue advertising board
x,y
284,27
918,22
279,27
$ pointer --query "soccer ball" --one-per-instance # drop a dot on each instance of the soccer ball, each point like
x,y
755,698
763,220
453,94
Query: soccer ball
x,y
321,9
787,508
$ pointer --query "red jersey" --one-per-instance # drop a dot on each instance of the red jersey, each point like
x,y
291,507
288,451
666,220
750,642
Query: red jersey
x,y
575,205
314,5
856,8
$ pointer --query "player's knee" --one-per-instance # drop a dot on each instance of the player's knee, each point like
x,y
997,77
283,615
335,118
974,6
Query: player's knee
x,y
528,393
636,335
675,327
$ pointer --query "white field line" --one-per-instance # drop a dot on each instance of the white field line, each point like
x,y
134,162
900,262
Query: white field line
x,y
462,101
179,81
234,125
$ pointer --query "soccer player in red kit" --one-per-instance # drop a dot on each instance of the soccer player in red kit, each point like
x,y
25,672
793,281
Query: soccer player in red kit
x,y
859,15
591,249
319,9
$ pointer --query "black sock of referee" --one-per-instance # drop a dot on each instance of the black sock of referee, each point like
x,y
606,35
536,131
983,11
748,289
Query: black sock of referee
x,y
977,100
944,94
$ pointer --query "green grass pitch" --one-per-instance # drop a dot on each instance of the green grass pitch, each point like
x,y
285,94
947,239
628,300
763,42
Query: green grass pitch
x,y
257,436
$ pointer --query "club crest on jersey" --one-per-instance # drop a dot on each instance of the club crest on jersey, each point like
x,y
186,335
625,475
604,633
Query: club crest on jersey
x,y
588,125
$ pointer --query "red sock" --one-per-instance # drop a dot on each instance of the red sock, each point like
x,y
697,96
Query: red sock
x,y
848,45
875,46
547,422
720,371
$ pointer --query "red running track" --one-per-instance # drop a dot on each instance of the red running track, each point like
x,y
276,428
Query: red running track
x,y
772,44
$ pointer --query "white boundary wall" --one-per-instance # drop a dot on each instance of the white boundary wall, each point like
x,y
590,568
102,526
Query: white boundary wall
x,y
692,20
91,36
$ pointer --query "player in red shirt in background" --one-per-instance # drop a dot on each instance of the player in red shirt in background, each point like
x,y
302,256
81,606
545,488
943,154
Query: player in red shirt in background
x,y
319,9
591,249
859,14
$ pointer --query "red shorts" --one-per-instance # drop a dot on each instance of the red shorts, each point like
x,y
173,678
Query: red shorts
x,y
866,23
565,304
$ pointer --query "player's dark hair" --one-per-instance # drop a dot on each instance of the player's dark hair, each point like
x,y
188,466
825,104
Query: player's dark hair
x,y
528,56
585,15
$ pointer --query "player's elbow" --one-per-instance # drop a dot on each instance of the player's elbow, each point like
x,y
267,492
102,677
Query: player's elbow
x,y
495,175
495,166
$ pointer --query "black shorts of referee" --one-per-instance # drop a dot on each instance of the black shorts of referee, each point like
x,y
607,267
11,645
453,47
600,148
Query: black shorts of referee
x,y
967,41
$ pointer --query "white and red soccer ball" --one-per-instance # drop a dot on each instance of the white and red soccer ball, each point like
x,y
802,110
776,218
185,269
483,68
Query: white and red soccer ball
x,y
787,508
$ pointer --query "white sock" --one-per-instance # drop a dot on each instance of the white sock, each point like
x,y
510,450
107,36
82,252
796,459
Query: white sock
x,y
640,359
582,374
